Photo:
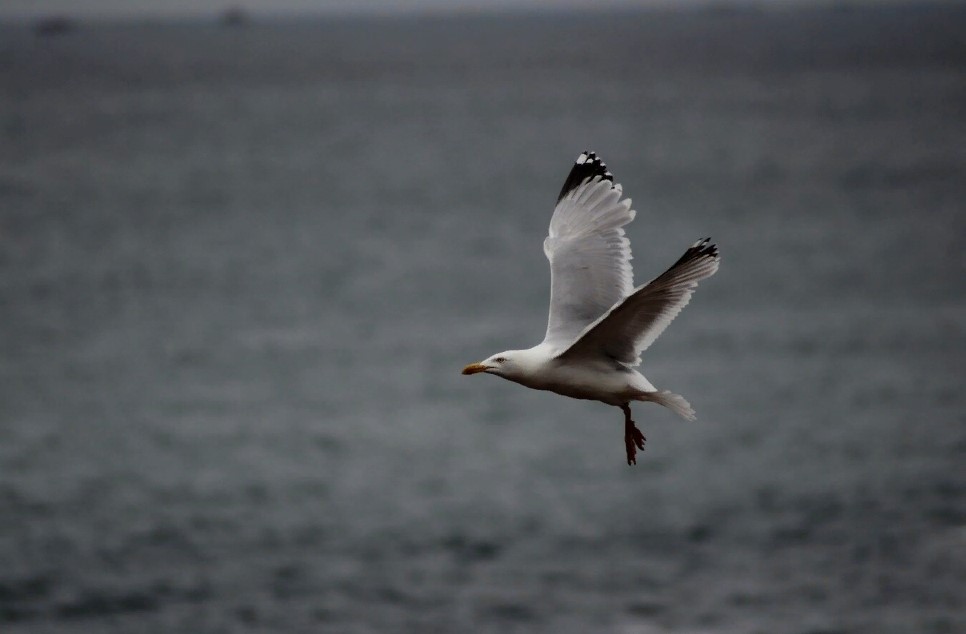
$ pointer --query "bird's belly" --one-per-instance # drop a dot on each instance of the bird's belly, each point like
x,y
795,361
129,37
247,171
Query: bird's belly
x,y
609,387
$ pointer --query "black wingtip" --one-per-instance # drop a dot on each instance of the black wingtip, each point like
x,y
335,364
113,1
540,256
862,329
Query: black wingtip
x,y
701,248
587,166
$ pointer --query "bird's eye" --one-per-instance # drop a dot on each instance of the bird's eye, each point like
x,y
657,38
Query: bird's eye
x,y
500,359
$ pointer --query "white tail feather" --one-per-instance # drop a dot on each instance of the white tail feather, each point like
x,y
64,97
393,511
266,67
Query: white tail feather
x,y
674,402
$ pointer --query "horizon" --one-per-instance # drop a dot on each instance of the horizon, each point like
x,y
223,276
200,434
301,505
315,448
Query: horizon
x,y
141,10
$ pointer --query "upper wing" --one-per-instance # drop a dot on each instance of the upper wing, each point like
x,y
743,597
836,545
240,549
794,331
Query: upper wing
x,y
625,331
590,268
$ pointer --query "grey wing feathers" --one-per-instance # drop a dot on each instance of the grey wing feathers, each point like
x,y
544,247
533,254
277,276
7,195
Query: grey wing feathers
x,y
630,327
589,255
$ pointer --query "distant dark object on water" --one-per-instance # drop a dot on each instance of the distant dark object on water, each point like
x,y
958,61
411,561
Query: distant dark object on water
x,y
235,16
54,25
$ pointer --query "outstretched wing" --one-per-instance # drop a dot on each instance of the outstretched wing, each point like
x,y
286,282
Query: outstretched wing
x,y
590,268
625,331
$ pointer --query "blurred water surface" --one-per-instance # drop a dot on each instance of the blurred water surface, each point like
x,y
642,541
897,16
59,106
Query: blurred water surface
x,y
240,270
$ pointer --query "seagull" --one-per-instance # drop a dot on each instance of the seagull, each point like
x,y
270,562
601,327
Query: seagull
x,y
599,322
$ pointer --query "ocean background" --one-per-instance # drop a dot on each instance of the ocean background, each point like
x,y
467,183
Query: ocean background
x,y
241,269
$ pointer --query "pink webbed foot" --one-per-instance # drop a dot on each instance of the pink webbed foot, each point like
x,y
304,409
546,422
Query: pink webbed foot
x,y
633,438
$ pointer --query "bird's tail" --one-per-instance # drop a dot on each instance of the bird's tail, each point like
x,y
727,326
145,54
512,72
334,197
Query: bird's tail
x,y
674,402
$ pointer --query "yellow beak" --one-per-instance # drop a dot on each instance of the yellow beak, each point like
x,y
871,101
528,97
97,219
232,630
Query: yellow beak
x,y
474,368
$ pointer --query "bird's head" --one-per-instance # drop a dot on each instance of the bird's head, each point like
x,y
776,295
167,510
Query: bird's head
x,y
503,364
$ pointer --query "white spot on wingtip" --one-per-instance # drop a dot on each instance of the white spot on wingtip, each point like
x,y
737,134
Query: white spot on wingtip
x,y
581,159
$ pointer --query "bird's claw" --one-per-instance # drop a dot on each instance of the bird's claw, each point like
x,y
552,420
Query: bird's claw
x,y
633,440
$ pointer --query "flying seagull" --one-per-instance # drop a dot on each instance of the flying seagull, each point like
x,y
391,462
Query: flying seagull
x,y
599,322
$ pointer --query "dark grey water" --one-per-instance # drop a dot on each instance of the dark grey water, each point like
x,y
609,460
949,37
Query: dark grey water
x,y
241,269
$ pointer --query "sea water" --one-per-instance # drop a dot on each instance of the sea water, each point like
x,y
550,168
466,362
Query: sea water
x,y
241,268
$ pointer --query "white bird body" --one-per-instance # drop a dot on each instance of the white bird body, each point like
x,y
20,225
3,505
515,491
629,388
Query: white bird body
x,y
597,379
599,324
